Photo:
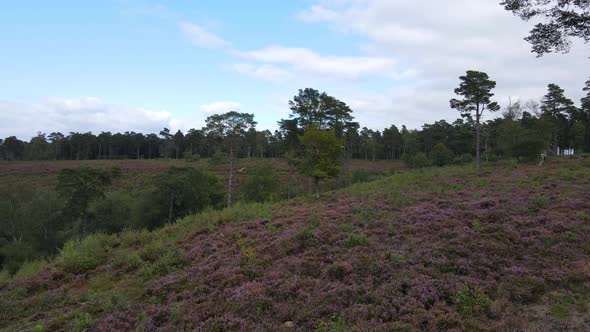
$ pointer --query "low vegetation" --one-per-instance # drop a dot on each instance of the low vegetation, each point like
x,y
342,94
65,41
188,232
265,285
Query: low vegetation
x,y
433,249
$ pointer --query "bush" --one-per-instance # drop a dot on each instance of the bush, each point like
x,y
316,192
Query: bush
x,y
463,159
171,261
30,268
472,302
262,185
364,175
354,240
179,192
419,160
113,213
81,256
441,155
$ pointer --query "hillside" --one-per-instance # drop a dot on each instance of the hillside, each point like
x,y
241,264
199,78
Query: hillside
x,y
506,248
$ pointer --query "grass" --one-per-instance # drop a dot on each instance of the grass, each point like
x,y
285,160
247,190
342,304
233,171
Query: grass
x,y
31,268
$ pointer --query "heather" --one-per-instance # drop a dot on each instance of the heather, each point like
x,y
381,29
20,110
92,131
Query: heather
x,y
441,248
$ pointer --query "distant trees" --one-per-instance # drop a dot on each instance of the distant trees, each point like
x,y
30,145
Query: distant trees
x,y
564,19
558,109
310,107
475,88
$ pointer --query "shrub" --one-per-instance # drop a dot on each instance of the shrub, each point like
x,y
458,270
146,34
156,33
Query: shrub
x,y
179,192
419,160
336,324
31,268
81,322
171,261
81,256
128,261
262,184
441,155
463,159
356,240
304,236
538,202
472,302
364,175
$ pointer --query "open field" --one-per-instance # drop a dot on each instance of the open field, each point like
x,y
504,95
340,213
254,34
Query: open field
x,y
506,248
136,172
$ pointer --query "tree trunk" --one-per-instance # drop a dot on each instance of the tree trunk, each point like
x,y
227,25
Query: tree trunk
x,y
290,181
477,138
231,174
171,208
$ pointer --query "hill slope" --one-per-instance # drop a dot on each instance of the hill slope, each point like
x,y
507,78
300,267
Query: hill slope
x,y
439,249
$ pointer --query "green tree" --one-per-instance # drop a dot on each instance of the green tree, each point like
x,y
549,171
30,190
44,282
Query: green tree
x,y
322,154
557,108
81,186
475,88
261,185
441,155
178,192
563,19
230,128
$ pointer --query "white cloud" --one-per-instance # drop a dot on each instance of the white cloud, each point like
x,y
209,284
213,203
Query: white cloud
x,y
200,37
436,42
310,62
220,107
24,119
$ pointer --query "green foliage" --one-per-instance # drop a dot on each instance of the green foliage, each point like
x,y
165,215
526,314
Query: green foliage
x,y
304,236
472,302
418,160
354,240
336,324
113,213
80,256
30,268
441,155
81,186
262,184
81,322
179,192
364,175
538,202
172,260
323,152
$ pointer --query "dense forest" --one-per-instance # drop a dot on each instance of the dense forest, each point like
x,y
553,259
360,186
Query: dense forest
x,y
525,129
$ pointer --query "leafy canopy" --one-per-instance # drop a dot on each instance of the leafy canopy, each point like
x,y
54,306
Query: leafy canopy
x,y
322,155
475,88
563,19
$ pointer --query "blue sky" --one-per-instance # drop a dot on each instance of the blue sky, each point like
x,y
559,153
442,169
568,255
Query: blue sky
x,y
142,65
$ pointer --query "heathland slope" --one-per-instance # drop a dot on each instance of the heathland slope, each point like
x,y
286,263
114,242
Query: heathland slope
x,y
505,248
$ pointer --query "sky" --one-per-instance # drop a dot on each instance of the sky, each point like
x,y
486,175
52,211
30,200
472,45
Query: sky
x,y
142,65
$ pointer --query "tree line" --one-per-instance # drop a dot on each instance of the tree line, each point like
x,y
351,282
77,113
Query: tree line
x,y
553,123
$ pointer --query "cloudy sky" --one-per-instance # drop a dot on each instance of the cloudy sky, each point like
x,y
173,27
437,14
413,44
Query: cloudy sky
x,y
141,65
